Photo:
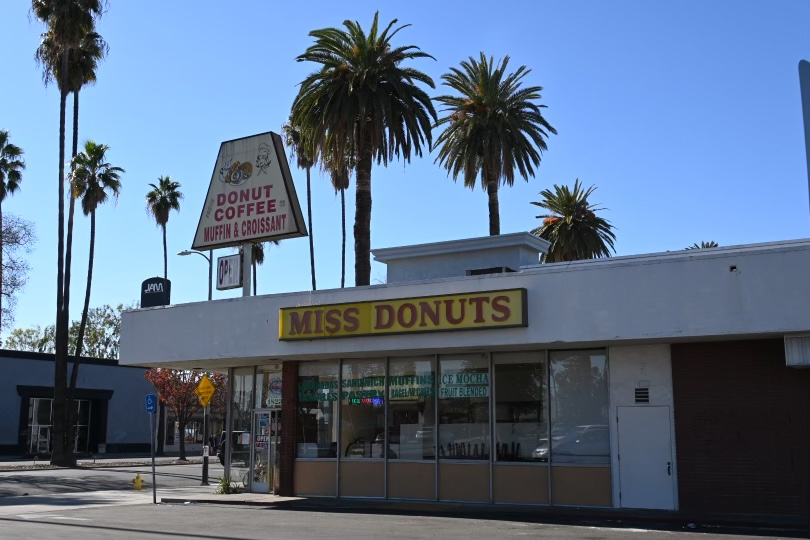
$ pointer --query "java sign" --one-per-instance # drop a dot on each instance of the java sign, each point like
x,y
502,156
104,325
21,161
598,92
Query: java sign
x,y
251,197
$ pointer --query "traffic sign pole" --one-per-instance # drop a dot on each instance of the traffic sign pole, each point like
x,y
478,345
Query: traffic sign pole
x,y
206,445
152,438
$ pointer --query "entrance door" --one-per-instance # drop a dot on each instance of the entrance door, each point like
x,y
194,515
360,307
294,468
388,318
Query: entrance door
x,y
645,458
263,450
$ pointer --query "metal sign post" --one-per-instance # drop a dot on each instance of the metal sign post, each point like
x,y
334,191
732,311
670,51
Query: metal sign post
x,y
204,391
151,407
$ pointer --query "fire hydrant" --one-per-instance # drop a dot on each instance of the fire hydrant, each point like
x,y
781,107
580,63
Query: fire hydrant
x,y
137,482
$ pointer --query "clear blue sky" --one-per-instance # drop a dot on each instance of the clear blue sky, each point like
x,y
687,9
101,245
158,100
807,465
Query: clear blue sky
x,y
686,115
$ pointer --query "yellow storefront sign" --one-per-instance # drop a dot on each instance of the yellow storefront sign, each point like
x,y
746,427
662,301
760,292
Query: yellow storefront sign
x,y
472,311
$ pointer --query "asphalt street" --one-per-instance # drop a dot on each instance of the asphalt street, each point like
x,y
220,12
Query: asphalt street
x,y
141,522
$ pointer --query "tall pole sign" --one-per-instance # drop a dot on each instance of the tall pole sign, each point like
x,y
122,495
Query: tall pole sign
x,y
251,197
804,83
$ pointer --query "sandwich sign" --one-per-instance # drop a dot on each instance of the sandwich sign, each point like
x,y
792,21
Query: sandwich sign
x,y
251,197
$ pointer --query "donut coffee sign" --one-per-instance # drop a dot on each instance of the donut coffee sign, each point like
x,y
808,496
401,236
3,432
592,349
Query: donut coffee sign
x,y
251,197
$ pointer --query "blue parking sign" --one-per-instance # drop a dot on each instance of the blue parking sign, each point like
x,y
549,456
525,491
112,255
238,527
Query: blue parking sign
x,y
151,403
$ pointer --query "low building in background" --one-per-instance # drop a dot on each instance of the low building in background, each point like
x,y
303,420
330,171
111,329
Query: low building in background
x,y
111,416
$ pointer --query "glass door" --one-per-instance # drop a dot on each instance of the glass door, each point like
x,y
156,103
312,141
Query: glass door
x,y
263,450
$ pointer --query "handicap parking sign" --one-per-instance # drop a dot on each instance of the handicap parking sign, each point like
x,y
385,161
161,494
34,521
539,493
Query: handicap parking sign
x,y
151,402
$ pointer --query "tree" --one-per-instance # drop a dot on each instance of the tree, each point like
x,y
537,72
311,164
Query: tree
x,y
256,257
363,96
704,245
572,227
100,340
340,176
68,21
493,126
301,149
162,199
91,178
176,388
18,239
11,166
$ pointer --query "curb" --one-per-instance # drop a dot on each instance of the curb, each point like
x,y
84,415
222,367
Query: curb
x,y
561,516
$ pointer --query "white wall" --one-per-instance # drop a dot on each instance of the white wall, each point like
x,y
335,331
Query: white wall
x,y
662,297
630,367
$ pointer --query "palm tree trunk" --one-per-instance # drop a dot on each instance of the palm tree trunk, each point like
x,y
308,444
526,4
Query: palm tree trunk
x,y
61,454
311,240
80,338
362,213
161,431
494,208
254,276
165,254
343,245
71,411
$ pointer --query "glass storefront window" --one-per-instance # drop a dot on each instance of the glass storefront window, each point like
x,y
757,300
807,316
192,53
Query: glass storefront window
x,y
362,432
241,411
318,393
411,407
464,407
521,424
579,407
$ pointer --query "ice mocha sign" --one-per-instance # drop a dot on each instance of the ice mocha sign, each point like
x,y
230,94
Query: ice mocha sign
x,y
251,196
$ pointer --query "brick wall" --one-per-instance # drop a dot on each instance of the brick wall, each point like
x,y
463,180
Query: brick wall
x,y
289,394
742,428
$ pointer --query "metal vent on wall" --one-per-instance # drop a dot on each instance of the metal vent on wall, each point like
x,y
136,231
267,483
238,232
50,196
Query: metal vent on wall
x,y
642,395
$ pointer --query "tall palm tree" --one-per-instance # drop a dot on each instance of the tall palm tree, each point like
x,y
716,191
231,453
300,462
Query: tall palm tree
x,y
493,126
363,95
339,178
11,166
572,226
301,148
162,199
704,245
91,178
68,21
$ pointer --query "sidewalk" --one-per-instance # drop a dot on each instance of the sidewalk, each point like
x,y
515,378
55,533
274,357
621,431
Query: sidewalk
x,y
566,515
102,460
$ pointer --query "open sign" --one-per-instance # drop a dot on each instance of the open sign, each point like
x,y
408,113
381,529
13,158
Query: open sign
x,y
229,272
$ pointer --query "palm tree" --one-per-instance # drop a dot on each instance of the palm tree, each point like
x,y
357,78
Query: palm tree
x,y
256,258
301,148
68,21
361,94
572,226
11,166
493,126
91,178
82,65
162,199
340,183
704,245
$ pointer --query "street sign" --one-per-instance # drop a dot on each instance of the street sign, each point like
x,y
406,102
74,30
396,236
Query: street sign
x,y
205,390
151,403
229,272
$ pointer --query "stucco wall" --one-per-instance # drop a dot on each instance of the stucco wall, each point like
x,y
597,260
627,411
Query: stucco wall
x,y
629,367
752,290
126,417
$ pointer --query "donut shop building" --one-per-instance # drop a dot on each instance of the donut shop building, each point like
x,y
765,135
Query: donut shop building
x,y
669,381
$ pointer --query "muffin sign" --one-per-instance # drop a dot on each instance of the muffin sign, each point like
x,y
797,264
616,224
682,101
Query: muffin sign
x,y
251,197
